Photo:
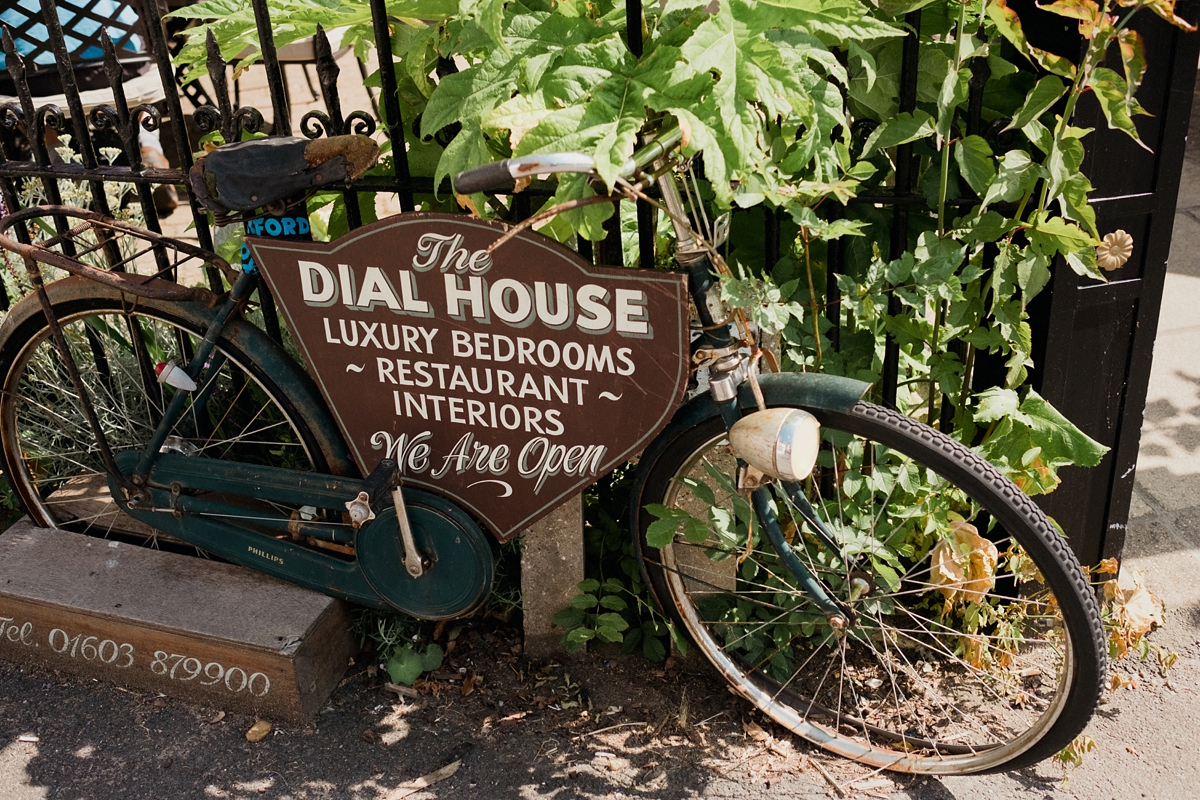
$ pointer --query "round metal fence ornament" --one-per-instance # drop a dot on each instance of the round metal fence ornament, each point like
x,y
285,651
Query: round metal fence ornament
x,y
1114,251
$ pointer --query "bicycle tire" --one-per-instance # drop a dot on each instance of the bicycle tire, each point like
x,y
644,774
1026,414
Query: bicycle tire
x,y
964,704
50,454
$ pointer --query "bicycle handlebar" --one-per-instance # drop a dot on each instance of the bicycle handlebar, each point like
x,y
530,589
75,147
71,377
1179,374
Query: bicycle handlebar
x,y
502,175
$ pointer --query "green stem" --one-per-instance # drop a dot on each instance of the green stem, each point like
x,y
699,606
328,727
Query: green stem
x,y
939,321
943,184
945,180
1082,77
812,298
968,365
946,145
1021,207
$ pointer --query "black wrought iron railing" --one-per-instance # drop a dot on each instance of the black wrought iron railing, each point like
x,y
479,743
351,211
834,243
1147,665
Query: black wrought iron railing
x,y
231,121
1140,198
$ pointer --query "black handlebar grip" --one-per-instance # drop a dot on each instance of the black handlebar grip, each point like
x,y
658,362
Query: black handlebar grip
x,y
492,177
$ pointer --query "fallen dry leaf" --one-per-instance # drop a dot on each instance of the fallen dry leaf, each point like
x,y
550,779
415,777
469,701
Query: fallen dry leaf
x,y
220,716
964,565
755,732
468,685
510,722
258,731
413,786
782,748
1137,611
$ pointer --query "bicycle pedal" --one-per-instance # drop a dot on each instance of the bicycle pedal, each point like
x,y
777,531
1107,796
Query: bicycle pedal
x,y
373,492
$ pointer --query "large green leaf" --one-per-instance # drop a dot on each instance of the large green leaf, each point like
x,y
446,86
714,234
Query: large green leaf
x,y
1045,94
953,93
469,95
1166,10
997,404
1051,235
1073,200
835,20
1117,102
873,93
1133,57
488,15
603,121
975,162
1008,24
902,128
1058,437
1017,175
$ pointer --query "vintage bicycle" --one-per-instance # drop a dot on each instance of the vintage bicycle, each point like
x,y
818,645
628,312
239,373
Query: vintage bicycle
x,y
865,580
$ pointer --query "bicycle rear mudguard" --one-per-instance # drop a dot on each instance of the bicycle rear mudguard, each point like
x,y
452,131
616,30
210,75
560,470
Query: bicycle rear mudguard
x,y
244,335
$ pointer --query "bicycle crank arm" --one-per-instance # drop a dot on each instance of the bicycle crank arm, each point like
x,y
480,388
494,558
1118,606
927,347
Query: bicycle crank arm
x,y
412,559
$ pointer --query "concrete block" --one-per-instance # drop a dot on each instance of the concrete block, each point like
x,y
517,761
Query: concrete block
x,y
551,566
207,632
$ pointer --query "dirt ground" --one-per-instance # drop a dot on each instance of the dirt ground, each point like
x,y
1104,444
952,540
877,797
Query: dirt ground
x,y
595,725
488,724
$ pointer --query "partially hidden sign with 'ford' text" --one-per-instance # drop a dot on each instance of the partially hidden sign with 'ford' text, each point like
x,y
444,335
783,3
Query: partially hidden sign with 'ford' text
x,y
507,380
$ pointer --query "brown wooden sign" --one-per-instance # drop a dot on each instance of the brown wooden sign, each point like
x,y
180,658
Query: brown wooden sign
x,y
507,381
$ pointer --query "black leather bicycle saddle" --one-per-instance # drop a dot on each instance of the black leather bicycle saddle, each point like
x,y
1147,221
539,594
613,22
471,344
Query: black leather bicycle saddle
x,y
250,175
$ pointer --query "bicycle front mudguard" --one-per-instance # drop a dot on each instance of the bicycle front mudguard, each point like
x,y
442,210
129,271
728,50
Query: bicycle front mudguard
x,y
799,389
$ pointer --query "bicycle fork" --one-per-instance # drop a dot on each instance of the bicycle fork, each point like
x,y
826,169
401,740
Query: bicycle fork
x,y
728,370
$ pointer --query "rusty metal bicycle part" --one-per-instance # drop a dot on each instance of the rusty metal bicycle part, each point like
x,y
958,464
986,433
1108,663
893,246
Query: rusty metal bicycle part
x,y
108,233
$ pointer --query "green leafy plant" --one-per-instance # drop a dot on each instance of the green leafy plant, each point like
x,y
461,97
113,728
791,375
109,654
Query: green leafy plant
x,y
400,643
407,662
614,604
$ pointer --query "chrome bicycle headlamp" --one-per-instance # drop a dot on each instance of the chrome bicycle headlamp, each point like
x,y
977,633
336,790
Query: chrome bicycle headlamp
x,y
781,442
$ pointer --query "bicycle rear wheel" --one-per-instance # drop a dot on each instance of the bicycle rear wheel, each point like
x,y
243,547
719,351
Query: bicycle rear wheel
x,y
242,412
974,642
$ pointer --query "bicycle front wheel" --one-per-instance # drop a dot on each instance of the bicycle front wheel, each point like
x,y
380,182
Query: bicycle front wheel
x,y
973,642
240,413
